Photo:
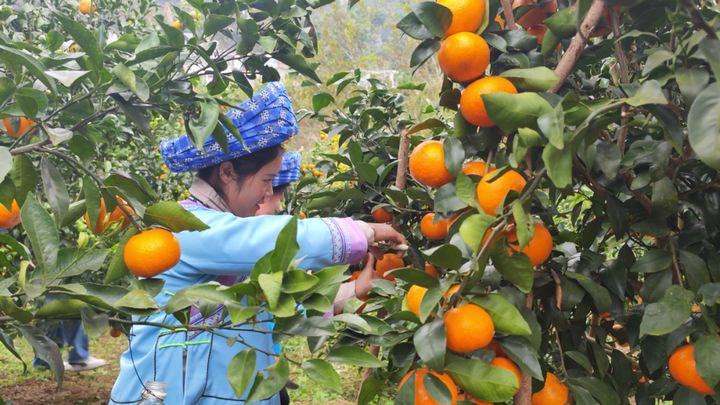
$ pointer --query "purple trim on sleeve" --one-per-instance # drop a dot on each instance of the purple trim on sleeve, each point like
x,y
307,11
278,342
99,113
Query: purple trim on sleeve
x,y
349,242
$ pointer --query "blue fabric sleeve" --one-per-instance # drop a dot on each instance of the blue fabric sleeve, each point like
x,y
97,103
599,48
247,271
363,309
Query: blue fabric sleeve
x,y
233,245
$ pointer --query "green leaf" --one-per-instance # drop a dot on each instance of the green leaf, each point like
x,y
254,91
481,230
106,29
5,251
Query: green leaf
x,y
506,317
296,281
132,82
138,300
23,176
241,371
522,354
214,23
8,307
653,261
117,268
447,256
476,377
435,17
703,126
513,111
31,64
465,189
271,285
474,228
66,77
85,39
552,124
173,216
298,63
94,324
656,59
559,165
248,36
415,276
649,93
31,101
355,356
664,316
446,199
710,47
424,51
691,82
45,349
599,294
706,352
62,308
413,27
429,341
524,226
202,125
55,189
321,100
516,269
269,383
323,373
531,79
454,155
6,162
696,271
7,88
608,159
286,246
41,231
369,390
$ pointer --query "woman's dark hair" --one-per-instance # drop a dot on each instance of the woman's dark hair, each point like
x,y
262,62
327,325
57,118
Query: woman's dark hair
x,y
244,166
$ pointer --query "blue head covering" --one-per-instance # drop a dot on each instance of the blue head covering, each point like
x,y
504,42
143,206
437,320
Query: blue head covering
x,y
267,119
289,169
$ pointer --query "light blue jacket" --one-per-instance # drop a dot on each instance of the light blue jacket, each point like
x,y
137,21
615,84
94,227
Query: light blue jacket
x,y
195,367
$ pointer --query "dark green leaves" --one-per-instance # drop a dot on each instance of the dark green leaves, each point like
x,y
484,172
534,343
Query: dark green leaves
x,y
31,64
505,315
664,316
706,353
202,124
85,39
355,356
703,126
241,371
652,262
430,344
517,268
41,231
493,384
435,17
323,373
214,23
512,111
268,384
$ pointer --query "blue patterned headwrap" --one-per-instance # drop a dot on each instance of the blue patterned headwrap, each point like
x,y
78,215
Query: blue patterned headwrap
x,y
289,169
267,119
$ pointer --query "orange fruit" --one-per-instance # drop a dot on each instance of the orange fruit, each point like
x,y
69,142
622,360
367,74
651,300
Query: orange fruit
x,y
684,370
354,275
452,290
382,214
696,308
427,164
463,56
414,297
9,218
151,252
431,270
115,332
74,47
472,106
536,14
500,22
508,365
642,379
539,247
492,190
468,328
87,6
15,127
433,230
475,168
104,220
467,15
422,396
553,392
177,24
389,261
302,215
538,31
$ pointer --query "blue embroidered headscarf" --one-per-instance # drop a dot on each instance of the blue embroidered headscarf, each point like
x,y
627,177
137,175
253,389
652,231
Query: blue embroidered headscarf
x,y
267,119
289,169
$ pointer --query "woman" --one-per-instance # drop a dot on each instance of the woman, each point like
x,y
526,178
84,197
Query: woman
x,y
228,192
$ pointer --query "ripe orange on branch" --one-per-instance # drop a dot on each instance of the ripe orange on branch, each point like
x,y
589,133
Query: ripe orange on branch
x,y
468,328
492,190
16,127
389,261
467,15
539,247
87,6
683,369
463,56
414,297
432,229
427,164
9,218
104,220
508,365
536,14
151,252
553,392
472,106
475,168
422,396
382,214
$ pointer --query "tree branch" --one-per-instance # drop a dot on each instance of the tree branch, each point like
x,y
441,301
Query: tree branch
x,y
572,55
624,77
507,12
698,20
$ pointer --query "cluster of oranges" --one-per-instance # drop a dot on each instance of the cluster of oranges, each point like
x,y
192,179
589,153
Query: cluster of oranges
x,y
310,168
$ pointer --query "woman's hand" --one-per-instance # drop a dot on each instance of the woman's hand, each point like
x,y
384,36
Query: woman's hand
x,y
363,284
385,233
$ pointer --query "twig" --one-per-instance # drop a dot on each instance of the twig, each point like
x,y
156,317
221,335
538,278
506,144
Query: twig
x,y
524,395
698,20
488,163
676,263
562,355
623,69
558,289
507,12
572,55
403,149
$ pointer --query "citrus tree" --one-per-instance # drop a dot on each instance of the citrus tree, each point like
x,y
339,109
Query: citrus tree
x,y
85,88
561,197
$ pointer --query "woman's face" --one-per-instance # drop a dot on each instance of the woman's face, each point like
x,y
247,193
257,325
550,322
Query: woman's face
x,y
245,196
271,205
